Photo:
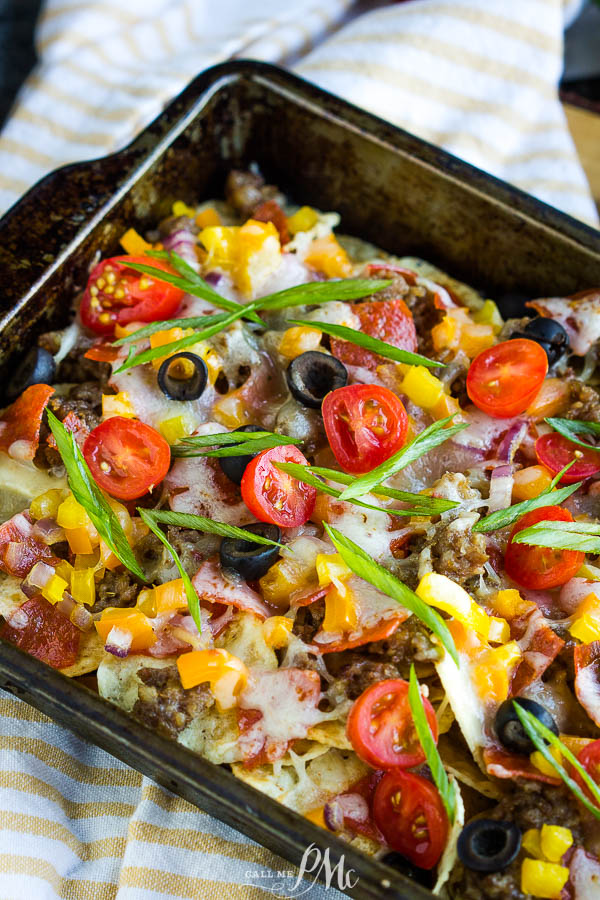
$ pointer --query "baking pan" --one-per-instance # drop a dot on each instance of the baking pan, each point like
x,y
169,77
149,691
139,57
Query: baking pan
x,y
391,188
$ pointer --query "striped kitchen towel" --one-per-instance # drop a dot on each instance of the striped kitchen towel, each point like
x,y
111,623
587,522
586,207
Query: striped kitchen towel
x,y
476,76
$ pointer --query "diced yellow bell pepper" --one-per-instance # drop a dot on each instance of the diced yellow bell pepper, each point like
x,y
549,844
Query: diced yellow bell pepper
x,y
284,577
71,514
214,363
552,399
65,570
226,674
331,569
538,760
231,410
475,338
251,253
341,612
46,505
446,333
530,842
54,589
277,630
130,620
163,598
134,244
489,314
221,243
445,406
303,220
79,540
555,841
509,603
180,208
326,255
162,338
499,630
586,626
117,405
177,427
422,387
543,879
443,593
208,216
299,339
530,482
83,586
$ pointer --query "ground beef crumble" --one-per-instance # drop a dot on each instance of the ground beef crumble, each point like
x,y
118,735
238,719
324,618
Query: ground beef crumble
x,y
164,705
584,402
117,588
530,805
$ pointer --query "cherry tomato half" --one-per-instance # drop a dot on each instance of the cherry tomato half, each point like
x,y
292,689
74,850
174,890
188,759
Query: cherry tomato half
x,y
555,452
126,457
388,320
503,380
538,568
274,496
589,758
117,294
365,425
409,813
381,728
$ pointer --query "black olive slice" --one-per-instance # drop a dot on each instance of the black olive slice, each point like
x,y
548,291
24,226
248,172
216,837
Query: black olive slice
x,y
248,559
511,733
312,375
183,376
488,845
235,466
37,367
549,334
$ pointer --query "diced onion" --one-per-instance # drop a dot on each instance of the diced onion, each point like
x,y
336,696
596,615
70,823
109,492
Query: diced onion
x,y
501,485
118,642
48,532
37,579
345,806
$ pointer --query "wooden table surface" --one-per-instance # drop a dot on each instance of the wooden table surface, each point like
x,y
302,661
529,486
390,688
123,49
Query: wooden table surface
x,y
585,128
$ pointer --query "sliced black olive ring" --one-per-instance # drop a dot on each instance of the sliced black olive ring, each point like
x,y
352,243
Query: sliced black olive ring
x,y
549,334
488,845
248,559
183,376
312,375
235,466
511,733
37,367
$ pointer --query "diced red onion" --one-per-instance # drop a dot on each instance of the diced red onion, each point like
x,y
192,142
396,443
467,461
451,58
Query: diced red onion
x,y
23,524
345,806
501,485
182,242
574,592
511,441
48,532
37,579
118,642
75,612
213,278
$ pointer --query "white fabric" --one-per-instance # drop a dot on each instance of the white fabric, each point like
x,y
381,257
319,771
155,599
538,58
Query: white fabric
x,y
477,76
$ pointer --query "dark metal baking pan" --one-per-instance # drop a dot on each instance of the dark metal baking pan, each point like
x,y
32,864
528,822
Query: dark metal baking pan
x,y
391,188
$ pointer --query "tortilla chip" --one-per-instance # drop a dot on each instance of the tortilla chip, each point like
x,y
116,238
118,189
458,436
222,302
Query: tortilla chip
x,y
11,595
332,734
304,781
450,855
245,638
459,762
91,654
213,735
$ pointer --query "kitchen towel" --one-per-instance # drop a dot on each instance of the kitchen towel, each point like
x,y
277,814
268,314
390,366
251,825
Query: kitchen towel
x,y
478,77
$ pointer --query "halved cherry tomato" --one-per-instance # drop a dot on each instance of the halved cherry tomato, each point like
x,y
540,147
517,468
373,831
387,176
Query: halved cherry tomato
x,y
589,758
381,727
503,380
555,452
273,496
539,568
408,811
388,320
365,425
126,457
47,634
117,294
